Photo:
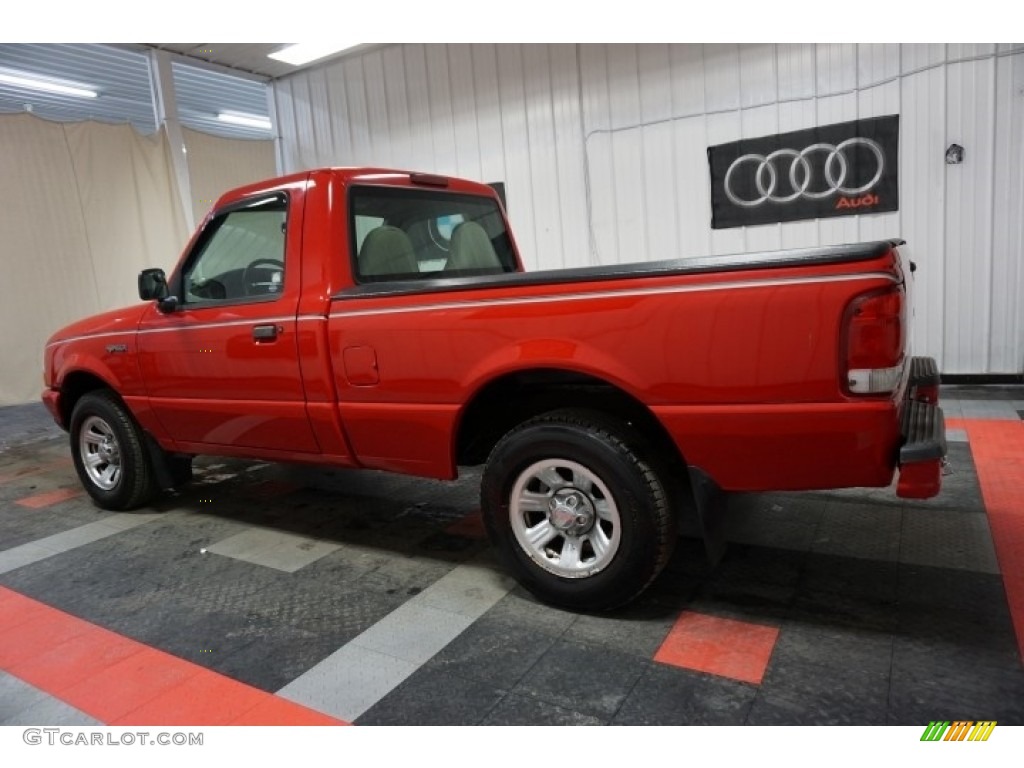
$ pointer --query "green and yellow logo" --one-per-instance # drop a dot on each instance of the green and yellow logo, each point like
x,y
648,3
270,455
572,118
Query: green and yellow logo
x,y
959,730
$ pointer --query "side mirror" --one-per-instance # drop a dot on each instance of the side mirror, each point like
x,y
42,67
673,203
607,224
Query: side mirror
x,y
152,284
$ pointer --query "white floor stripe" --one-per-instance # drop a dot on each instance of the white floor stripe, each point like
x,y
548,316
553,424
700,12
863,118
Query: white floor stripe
x,y
271,548
41,549
362,672
24,704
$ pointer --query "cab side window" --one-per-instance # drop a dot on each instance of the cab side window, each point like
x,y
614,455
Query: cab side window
x,y
240,256
414,234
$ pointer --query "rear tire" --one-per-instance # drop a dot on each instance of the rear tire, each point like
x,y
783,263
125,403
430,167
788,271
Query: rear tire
x,y
573,502
109,452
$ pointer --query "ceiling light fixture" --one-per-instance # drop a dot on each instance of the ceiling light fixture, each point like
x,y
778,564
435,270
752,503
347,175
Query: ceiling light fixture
x,y
250,121
303,53
36,83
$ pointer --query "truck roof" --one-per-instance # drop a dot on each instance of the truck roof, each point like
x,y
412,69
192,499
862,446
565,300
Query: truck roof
x,y
363,175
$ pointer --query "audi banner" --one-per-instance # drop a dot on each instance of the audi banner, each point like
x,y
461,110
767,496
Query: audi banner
x,y
831,170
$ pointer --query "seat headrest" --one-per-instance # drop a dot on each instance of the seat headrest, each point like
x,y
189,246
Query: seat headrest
x,y
471,248
387,250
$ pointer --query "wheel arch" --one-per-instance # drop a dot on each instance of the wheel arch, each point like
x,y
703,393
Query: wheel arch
x,y
513,397
73,386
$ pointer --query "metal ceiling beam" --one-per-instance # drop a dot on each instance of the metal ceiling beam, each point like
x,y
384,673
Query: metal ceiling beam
x,y
194,61
166,106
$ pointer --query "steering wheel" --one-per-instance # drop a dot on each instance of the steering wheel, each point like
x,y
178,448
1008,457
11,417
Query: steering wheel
x,y
250,283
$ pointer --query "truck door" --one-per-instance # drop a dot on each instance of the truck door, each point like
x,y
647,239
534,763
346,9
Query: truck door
x,y
223,368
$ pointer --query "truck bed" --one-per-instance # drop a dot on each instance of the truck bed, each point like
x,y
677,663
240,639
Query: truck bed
x,y
794,257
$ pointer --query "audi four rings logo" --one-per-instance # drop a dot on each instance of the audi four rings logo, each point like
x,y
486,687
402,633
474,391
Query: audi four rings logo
x,y
815,172
842,169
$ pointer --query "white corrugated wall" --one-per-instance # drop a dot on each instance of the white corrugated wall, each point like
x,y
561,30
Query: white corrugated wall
x,y
603,152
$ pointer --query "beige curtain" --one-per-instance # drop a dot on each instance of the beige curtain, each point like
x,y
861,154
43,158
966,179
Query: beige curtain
x,y
84,207
129,205
47,272
216,165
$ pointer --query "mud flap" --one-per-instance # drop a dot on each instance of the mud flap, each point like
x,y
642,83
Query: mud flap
x,y
158,462
711,507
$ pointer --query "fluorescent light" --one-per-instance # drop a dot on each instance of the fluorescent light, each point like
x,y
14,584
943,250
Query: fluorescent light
x,y
53,86
303,53
251,121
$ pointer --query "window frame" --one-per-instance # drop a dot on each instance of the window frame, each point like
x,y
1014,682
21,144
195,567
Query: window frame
x,y
211,228
358,279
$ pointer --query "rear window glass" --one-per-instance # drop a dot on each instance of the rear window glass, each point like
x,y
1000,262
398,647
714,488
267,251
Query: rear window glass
x,y
408,234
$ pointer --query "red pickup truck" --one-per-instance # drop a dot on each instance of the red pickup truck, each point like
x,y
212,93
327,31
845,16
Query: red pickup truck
x,y
382,319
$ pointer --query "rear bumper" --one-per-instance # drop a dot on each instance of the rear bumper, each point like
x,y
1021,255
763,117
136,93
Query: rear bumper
x,y
923,429
924,380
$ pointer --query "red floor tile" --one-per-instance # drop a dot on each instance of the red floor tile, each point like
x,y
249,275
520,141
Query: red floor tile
x,y
203,699
277,711
20,642
111,693
724,647
67,664
17,609
118,680
998,451
49,498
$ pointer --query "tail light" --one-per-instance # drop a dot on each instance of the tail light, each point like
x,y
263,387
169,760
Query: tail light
x,y
875,338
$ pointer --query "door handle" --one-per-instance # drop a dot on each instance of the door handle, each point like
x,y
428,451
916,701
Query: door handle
x,y
265,332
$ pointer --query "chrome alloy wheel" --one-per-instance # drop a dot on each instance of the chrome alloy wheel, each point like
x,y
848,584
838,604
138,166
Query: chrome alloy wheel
x,y
564,518
100,453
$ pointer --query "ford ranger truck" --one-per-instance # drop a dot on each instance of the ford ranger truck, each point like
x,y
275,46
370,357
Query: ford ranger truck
x,y
380,319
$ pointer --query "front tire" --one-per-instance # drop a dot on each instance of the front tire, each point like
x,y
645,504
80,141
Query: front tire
x,y
573,502
109,453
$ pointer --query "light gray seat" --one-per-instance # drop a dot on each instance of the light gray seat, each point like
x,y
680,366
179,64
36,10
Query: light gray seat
x,y
387,251
471,248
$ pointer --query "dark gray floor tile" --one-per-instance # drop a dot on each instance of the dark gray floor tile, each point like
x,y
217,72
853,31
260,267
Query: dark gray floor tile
x,y
773,520
275,659
433,696
522,609
829,649
205,636
745,564
948,539
834,610
527,710
686,569
638,629
583,678
869,532
344,610
926,690
981,391
850,577
27,425
493,651
796,693
759,602
947,594
667,695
